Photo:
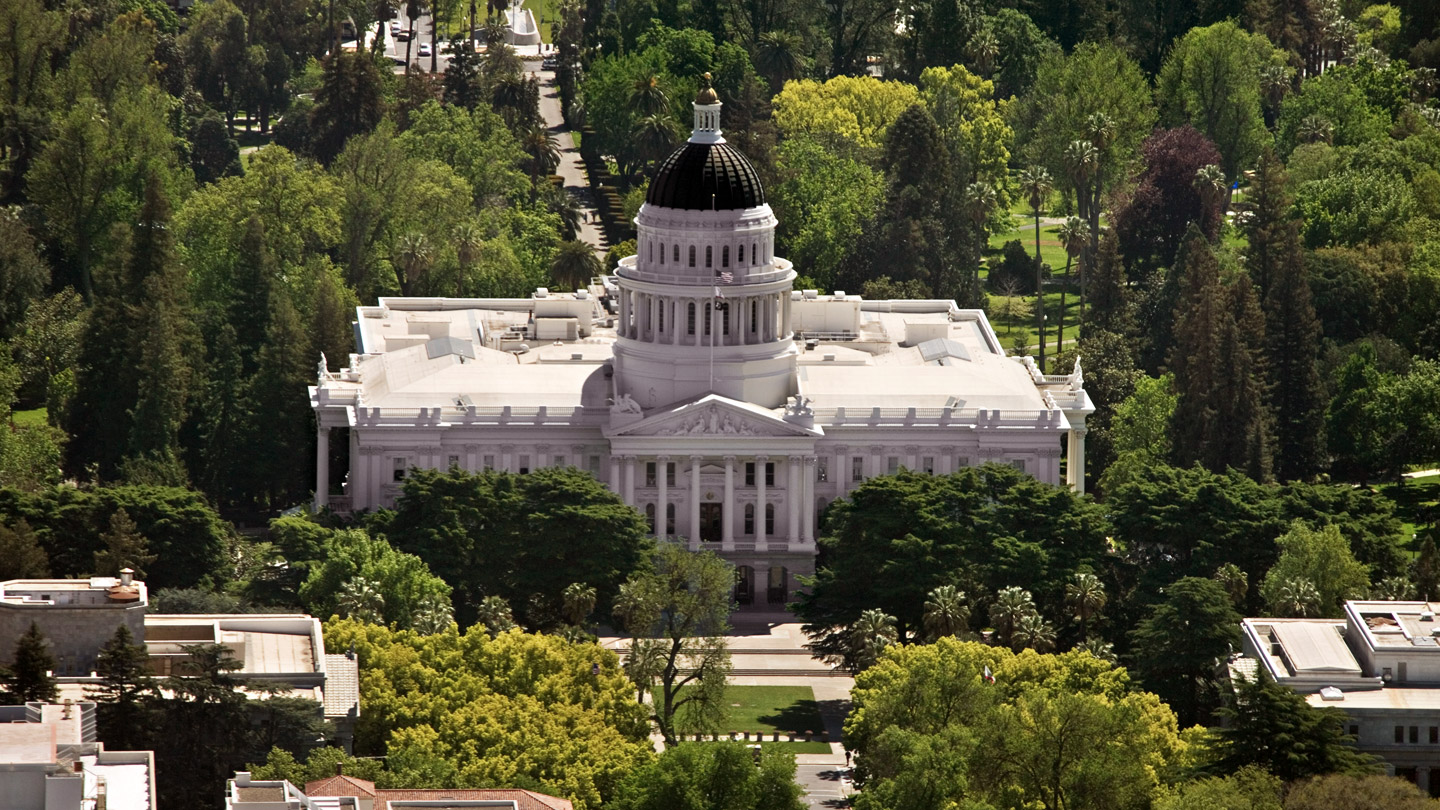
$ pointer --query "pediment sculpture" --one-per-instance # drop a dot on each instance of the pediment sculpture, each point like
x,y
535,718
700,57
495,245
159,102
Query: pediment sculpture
x,y
710,422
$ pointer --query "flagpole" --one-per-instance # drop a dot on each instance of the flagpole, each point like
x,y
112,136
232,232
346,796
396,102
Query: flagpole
x,y
710,324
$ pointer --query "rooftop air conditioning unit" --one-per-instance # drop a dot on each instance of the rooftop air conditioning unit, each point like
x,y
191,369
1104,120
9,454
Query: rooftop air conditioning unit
x,y
1427,616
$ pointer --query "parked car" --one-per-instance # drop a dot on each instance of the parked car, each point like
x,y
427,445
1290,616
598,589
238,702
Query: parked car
x,y
424,49
549,63
403,35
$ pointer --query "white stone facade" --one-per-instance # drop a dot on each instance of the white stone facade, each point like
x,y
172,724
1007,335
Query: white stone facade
x,y
698,385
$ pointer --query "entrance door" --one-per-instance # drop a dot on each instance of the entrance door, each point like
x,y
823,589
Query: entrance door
x,y
779,590
711,522
744,584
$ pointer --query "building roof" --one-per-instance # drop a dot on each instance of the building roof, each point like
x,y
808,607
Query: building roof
x,y
706,177
341,785
342,685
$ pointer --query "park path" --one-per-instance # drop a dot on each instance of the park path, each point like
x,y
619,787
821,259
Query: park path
x,y
571,168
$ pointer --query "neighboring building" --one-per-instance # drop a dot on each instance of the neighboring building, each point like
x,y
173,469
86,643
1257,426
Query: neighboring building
x,y
50,760
695,382
342,792
1380,665
77,618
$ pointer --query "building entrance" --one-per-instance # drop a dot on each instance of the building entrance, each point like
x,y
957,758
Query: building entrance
x,y
711,520
744,584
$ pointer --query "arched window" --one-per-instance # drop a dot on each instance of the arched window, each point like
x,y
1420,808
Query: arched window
x,y
725,256
740,260
769,518
690,318
749,518
692,255
670,518
708,250
664,305
707,320
754,254
676,257
662,253
650,516
754,316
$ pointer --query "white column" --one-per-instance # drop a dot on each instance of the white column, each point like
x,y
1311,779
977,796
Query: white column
x,y
911,457
507,458
614,481
792,499
629,496
322,468
760,539
694,502
1075,465
727,511
807,502
624,312
662,526
785,315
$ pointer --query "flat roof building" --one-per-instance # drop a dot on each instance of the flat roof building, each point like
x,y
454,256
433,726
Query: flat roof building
x,y
50,760
341,792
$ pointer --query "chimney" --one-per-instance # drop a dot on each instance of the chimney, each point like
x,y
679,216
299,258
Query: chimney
x,y
127,575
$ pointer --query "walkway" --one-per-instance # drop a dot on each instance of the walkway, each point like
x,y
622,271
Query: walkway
x,y
571,168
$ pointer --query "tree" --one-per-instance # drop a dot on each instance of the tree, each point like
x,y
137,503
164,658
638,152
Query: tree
x,y
778,58
1074,234
124,548
579,601
1179,645
21,555
574,265
122,697
1235,582
1272,727
685,603
1351,791
543,151
353,573
1010,607
871,634
523,538
494,615
359,599
1211,81
845,111
1250,788
946,613
854,28
1035,185
1322,558
24,275
29,677
203,728
1166,201
823,198
1035,633
717,776
349,102
1086,597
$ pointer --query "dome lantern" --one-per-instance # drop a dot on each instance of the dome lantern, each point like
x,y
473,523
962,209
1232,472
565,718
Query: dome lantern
x,y
707,114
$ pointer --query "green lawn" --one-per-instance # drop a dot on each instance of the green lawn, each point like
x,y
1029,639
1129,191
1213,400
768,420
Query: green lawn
x,y
1416,501
768,709
34,418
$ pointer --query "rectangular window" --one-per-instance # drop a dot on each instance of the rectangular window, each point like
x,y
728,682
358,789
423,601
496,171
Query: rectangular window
x,y
754,317
927,463
962,462
399,474
749,518
857,468
662,254
692,255
708,318
595,466
770,519
1018,463
489,462
454,461
690,318
708,249
822,469
669,473
670,517
1355,731
725,256
1414,734
741,259
1435,735
749,473
892,465
769,473
676,253
524,464
558,461
1399,734
649,473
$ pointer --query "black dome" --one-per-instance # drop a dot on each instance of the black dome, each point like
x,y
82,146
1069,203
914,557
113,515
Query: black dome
x,y
706,177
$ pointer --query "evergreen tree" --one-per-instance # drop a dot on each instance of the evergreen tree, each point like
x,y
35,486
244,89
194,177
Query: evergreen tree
x,y
29,677
250,294
124,547
122,697
1244,392
282,428
1269,225
1271,726
350,101
21,555
1110,376
1178,647
1110,307
1353,435
330,327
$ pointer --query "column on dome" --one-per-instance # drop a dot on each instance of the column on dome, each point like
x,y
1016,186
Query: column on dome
x,y
792,499
622,326
727,511
760,539
694,502
662,508
785,316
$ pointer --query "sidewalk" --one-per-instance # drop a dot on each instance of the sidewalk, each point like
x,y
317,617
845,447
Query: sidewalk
x,y
571,168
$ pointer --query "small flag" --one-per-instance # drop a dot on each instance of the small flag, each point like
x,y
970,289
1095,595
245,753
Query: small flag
x,y
988,677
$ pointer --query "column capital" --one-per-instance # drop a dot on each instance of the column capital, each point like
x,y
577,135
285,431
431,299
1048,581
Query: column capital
x,y
696,459
912,448
876,449
795,459
762,459
663,459
841,449
629,459
729,460
472,448
810,461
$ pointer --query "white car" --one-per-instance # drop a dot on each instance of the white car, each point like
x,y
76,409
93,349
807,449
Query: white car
x,y
424,49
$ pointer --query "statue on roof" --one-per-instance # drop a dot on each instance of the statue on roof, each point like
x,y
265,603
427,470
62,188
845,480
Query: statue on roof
x,y
625,404
1077,377
323,369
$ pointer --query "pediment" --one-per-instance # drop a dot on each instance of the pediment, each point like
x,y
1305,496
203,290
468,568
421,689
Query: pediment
x,y
714,416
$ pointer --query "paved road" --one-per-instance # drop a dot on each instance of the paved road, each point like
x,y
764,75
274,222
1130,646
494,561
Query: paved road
x,y
826,786
571,168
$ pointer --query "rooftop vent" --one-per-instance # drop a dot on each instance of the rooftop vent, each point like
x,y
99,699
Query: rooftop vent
x,y
440,347
1331,693
1427,615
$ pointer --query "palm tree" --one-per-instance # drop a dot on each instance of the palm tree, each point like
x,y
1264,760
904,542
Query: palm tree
x,y
979,201
562,204
1100,129
578,600
1011,605
1313,129
869,636
1073,236
984,50
412,259
629,601
946,613
1082,163
511,97
494,613
575,263
643,664
543,151
1210,183
1034,632
432,615
360,599
777,58
1086,597
653,136
1035,184
1276,82
1392,589
647,97
1098,647
1234,580
1297,598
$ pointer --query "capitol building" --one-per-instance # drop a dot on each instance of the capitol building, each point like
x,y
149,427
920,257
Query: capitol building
x,y
695,382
